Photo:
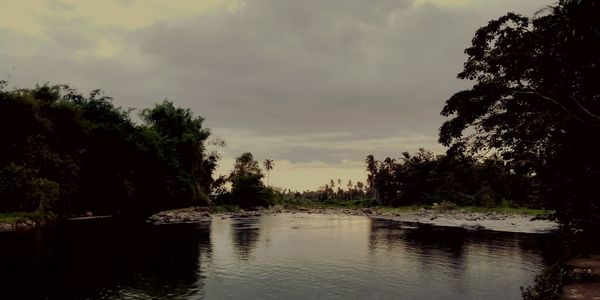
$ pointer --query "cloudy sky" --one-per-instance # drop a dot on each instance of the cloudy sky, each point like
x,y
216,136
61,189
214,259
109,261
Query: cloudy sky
x,y
316,85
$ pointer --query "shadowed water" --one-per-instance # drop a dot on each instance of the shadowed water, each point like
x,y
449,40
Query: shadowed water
x,y
291,256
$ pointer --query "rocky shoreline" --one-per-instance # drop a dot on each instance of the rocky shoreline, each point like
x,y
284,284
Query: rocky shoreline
x,y
453,218
21,225
183,215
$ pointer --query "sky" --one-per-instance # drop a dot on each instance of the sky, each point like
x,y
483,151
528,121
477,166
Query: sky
x,y
316,85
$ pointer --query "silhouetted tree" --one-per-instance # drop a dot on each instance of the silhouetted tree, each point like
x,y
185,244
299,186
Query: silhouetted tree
x,y
248,189
424,178
268,164
69,153
536,100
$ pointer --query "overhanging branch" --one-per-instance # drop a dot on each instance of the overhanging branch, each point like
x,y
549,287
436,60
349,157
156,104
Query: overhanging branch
x,y
564,108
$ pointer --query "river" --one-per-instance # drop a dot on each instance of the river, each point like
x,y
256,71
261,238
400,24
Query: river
x,y
285,256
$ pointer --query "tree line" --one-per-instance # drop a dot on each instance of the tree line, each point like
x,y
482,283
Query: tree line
x,y
69,153
247,188
72,154
424,178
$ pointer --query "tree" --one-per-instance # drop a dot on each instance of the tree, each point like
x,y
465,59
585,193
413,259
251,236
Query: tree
x,y
245,165
185,135
70,153
247,188
536,101
350,185
360,187
425,178
268,164
371,171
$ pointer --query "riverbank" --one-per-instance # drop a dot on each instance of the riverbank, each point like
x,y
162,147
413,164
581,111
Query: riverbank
x,y
24,220
516,220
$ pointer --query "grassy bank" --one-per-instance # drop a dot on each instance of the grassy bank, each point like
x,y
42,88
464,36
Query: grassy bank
x,y
225,208
23,217
359,204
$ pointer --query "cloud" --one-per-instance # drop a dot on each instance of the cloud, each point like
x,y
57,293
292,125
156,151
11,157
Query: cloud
x,y
304,82
329,148
292,67
59,6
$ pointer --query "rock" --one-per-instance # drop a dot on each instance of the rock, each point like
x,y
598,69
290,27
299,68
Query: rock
x,y
473,227
6,227
89,214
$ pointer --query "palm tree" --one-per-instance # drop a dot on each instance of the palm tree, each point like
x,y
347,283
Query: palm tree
x,y
359,187
350,185
372,168
268,164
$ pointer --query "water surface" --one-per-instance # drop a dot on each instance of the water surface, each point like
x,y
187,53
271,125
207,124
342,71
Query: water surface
x,y
291,256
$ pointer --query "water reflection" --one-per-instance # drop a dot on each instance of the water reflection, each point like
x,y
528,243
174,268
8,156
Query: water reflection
x,y
102,260
245,233
287,256
462,262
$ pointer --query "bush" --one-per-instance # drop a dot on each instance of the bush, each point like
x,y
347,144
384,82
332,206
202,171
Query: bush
x,y
447,205
548,284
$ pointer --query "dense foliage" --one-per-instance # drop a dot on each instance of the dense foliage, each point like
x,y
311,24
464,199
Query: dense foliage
x,y
536,100
425,178
69,154
247,187
548,284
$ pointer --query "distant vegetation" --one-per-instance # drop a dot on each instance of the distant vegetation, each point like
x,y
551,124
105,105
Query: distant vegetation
x,y
425,179
247,187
